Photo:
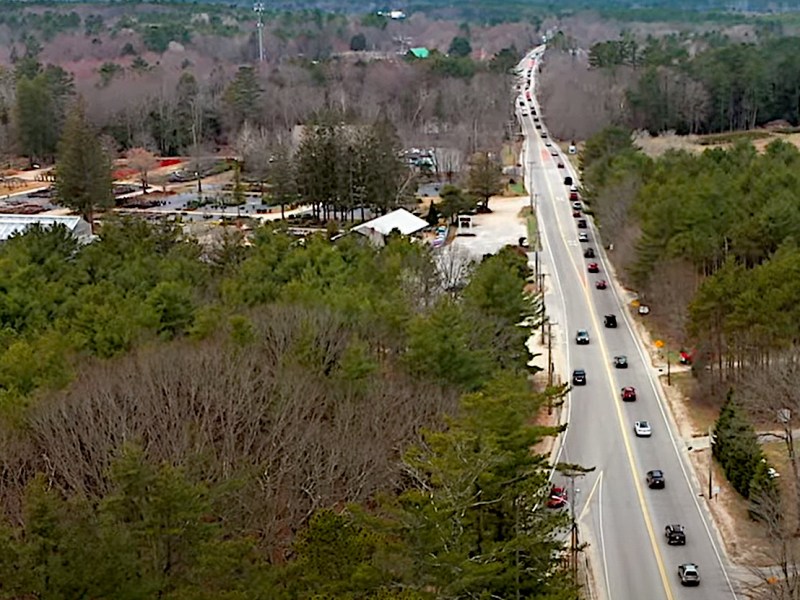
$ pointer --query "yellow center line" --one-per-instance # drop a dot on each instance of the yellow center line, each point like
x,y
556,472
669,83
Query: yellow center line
x,y
620,418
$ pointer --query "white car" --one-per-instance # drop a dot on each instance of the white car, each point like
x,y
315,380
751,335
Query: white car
x,y
642,429
547,143
583,236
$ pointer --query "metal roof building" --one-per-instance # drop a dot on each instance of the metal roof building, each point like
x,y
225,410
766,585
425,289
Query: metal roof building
x,y
11,224
400,219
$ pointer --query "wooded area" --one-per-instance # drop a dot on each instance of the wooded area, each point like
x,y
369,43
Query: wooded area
x,y
705,84
189,94
266,421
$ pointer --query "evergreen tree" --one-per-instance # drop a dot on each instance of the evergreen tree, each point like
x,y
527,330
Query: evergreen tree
x,y
281,176
460,47
484,179
83,174
243,97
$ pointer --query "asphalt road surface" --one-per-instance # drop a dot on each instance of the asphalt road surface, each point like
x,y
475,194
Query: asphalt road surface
x,y
622,518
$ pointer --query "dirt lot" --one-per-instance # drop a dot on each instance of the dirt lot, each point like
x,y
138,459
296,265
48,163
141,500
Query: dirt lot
x,y
656,146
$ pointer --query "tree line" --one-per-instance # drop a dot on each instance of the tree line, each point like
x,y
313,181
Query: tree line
x,y
199,108
724,86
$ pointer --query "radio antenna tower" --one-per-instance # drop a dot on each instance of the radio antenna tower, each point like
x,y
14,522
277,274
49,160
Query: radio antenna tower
x,y
258,7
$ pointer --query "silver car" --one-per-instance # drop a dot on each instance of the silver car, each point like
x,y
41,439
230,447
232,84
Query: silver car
x,y
642,429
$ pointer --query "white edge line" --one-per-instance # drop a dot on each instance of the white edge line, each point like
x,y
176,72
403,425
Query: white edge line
x,y
603,543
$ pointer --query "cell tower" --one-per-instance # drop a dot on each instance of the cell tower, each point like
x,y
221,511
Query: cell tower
x,y
258,7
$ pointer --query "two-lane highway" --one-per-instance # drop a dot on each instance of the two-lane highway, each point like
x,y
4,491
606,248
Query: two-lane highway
x,y
626,519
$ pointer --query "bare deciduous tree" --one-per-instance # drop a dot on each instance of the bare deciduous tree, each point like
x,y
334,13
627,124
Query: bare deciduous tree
x,y
278,410
143,161
781,580
770,394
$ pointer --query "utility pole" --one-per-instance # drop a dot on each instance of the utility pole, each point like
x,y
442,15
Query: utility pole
x,y
544,308
669,378
710,463
258,7
572,471
197,165
549,360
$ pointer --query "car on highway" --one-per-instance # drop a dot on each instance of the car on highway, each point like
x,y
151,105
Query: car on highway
x,y
577,206
583,236
544,134
567,180
560,164
579,377
554,152
576,214
547,143
621,362
582,337
610,321
582,224
601,284
593,268
588,253
524,113
675,535
628,394
655,479
642,429
538,125
573,195
558,497
689,574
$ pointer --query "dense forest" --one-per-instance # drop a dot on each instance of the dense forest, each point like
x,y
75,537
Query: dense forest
x,y
706,84
267,421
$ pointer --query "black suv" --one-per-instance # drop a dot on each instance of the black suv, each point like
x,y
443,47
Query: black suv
x,y
588,253
610,321
655,479
675,535
582,224
579,377
567,180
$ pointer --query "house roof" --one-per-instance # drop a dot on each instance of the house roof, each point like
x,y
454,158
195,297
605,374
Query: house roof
x,y
420,52
399,219
11,224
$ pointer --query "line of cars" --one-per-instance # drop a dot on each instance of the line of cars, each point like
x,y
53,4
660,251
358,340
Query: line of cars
x,y
688,573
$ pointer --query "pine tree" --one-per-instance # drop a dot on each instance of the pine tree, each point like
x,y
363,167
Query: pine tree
x,y
283,183
83,173
484,178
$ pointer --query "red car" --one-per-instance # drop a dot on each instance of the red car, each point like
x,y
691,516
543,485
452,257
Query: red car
x,y
593,268
574,196
628,394
576,213
601,285
558,497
